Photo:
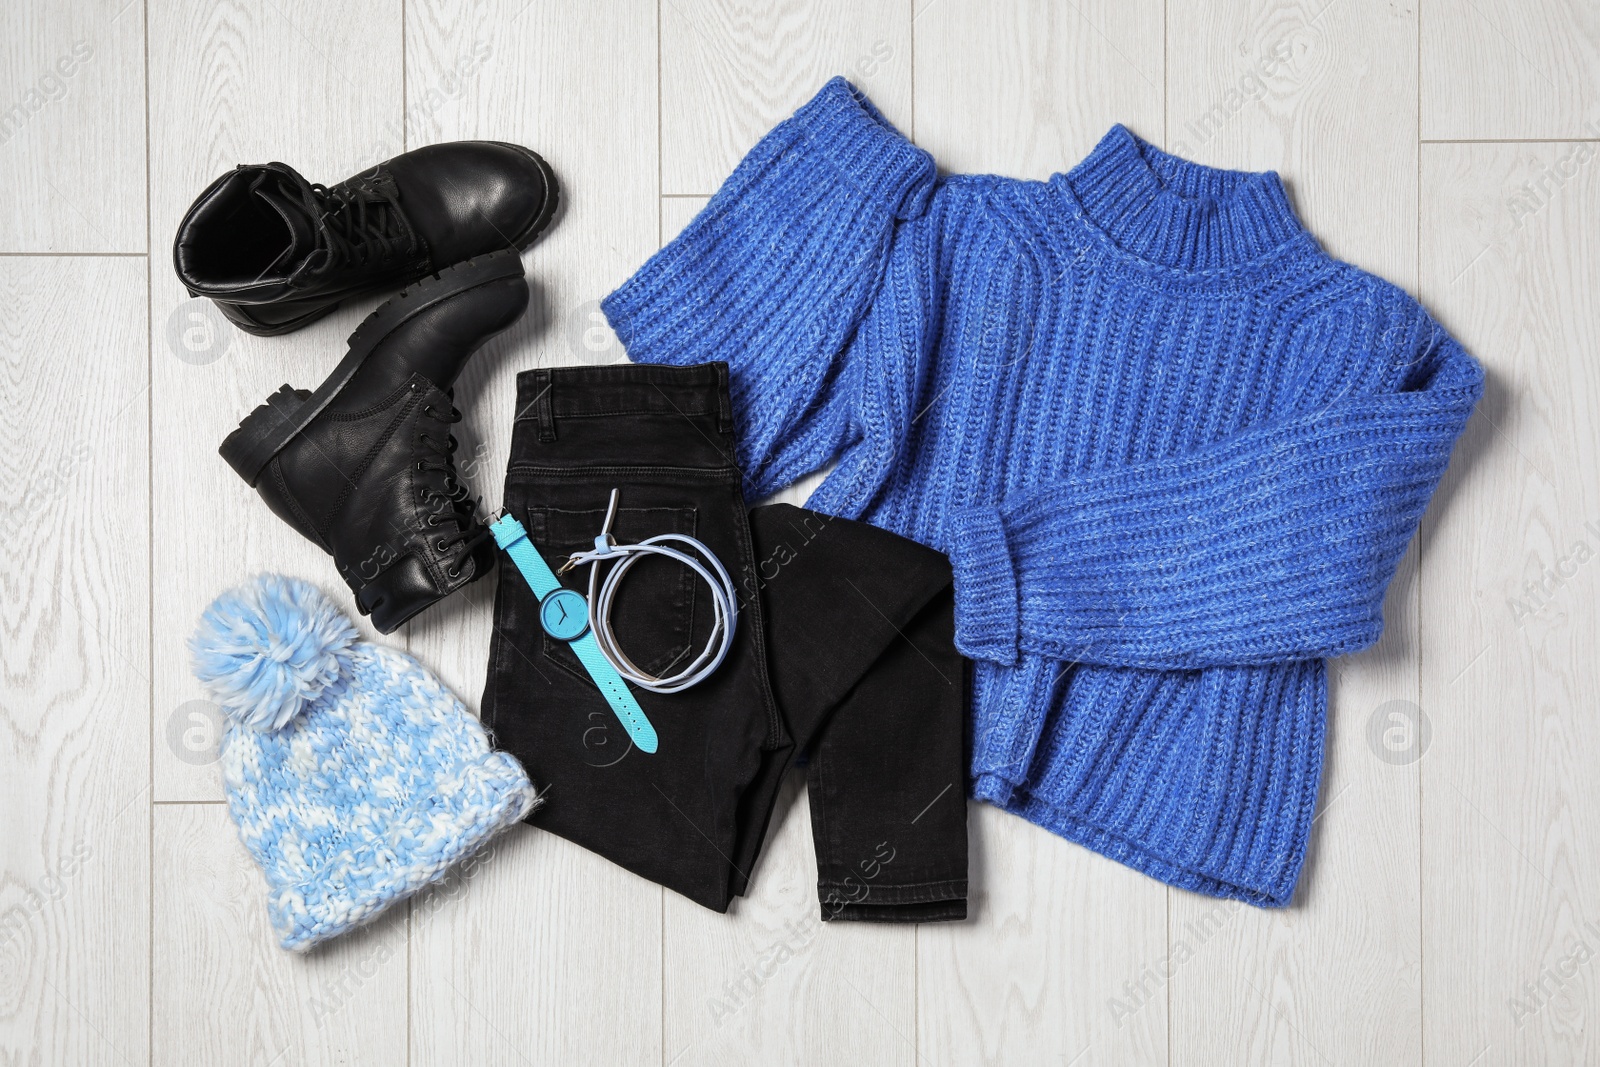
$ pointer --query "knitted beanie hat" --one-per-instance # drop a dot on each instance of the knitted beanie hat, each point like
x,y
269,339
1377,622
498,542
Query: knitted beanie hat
x,y
355,778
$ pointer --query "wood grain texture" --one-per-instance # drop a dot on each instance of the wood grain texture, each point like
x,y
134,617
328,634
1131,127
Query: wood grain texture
x,y
554,956
245,83
229,995
546,954
1265,86
240,83
1253,986
753,989
72,153
1514,69
74,662
551,80
1027,89
1323,93
1448,912
771,983
733,69
1511,818
1049,964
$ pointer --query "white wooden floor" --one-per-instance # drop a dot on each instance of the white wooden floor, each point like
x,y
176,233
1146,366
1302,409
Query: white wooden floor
x,y
1450,910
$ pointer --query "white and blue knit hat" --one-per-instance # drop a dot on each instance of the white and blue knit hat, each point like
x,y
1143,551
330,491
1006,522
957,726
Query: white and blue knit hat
x,y
355,777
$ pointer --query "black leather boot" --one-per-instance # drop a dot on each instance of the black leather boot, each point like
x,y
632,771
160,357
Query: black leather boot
x,y
277,252
363,467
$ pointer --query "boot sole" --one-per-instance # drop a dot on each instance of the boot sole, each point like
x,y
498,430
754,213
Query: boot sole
x,y
236,314
239,314
267,429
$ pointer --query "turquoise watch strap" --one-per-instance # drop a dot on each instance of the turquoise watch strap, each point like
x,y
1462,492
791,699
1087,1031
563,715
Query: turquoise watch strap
x,y
512,537
616,692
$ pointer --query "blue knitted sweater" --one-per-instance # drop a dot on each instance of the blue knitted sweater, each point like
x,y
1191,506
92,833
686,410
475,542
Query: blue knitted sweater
x,y
1173,449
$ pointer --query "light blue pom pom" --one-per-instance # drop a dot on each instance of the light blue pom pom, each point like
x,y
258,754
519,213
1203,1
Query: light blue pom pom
x,y
268,648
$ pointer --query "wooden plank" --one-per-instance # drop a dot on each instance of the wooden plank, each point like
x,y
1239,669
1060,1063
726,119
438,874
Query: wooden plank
x,y
1026,90
1510,817
771,983
540,77
1334,978
554,956
747,987
226,993
731,70
219,100
1265,86
74,662
72,157
1510,69
545,954
1053,964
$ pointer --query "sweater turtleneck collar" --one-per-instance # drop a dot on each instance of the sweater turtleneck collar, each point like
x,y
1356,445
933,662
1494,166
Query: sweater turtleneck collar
x,y
1168,211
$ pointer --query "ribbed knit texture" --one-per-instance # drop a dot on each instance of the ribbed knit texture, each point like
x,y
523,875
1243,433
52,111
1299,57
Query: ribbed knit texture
x,y
1174,450
354,777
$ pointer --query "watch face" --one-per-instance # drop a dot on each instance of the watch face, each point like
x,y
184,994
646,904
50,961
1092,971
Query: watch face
x,y
564,614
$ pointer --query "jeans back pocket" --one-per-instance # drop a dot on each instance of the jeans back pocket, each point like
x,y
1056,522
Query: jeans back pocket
x,y
653,611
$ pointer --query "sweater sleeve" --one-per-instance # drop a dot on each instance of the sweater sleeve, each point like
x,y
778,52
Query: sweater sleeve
x,y
1269,546
776,273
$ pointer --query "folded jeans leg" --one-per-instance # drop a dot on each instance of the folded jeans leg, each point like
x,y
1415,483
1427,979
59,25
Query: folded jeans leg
x,y
862,661
888,783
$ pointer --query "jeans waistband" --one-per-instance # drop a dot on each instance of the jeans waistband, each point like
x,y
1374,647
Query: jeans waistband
x,y
552,393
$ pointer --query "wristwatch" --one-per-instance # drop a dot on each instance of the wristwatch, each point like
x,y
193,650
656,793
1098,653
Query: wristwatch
x,y
564,615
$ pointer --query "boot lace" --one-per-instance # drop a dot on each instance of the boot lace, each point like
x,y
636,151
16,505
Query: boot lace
x,y
358,221
448,503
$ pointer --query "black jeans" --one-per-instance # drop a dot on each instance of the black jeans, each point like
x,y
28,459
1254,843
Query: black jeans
x,y
844,655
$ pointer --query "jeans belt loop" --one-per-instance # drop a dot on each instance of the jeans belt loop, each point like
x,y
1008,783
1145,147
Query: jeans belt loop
x,y
724,405
543,407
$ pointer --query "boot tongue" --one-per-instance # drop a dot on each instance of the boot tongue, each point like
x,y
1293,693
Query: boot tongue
x,y
302,230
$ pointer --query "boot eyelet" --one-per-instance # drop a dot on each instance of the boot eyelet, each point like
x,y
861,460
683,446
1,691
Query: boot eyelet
x,y
440,546
453,574
433,520
419,465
